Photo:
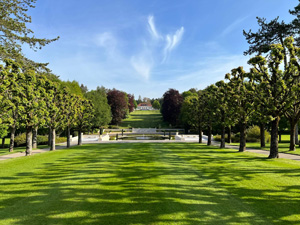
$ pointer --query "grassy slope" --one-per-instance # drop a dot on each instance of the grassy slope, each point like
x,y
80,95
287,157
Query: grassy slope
x,y
144,119
282,147
173,183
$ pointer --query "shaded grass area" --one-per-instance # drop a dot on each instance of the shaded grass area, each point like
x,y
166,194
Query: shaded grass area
x,y
282,147
147,183
144,119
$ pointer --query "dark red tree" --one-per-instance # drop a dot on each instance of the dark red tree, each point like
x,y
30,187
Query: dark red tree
x,y
172,101
131,102
118,104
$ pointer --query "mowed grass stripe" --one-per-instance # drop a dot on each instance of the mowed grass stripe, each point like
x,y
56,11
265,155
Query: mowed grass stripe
x,y
144,119
138,183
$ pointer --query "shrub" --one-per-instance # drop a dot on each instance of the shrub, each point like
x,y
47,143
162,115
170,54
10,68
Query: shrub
x,y
112,138
253,134
60,140
20,140
234,137
42,139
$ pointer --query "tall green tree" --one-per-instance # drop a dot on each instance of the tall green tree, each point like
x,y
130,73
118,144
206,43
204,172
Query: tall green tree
x,y
33,109
84,117
272,32
241,98
15,99
224,110
14,31
72,87
72,102
102,113
56,106
7,79
156,104
276,87
192,113
209,108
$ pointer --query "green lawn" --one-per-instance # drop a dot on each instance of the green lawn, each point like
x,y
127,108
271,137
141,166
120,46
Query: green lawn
x,y
144,119
282,147
148,183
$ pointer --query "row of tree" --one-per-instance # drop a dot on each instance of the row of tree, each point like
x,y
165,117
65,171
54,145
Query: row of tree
x,y
269,91
33,100
31,97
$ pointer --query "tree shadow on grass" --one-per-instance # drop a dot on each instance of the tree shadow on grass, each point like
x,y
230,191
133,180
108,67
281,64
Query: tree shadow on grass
x,y
172,183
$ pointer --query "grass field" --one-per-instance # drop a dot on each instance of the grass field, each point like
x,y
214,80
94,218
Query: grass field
x,y
282,147
143,183
144,119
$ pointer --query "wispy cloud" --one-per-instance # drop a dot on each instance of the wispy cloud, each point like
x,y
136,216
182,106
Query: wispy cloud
x,y
233,26
152,28
107,41
172,41
142,65
157,49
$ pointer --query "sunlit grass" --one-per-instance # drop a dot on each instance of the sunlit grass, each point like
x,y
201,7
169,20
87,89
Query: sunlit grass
x,y
143,183
144,119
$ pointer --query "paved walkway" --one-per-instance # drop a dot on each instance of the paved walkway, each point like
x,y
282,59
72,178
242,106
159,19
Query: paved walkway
x,y
63,145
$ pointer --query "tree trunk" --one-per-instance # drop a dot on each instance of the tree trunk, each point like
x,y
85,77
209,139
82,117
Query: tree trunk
x,y
3,142
292,135
222,145
34,137
52,143
28,140
79,137
200,135
68,137
262,135
209,135
49,136
274,139
297,134
12,138
229,135
279,133
242,137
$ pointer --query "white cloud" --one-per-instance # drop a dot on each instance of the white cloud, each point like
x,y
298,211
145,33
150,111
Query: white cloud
x,y
172,41
233,26
152,28
107,41
146,54
142,65
152,51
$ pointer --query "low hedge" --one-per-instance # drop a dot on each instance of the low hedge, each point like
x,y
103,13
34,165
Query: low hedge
x,y
20,140
252,135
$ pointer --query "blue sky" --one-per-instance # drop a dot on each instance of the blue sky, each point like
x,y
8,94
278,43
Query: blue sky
x,y
146,47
